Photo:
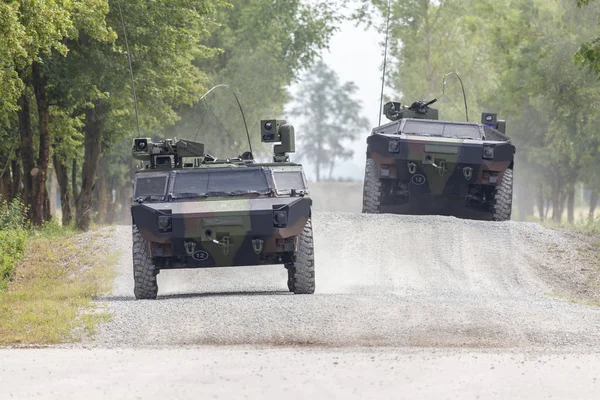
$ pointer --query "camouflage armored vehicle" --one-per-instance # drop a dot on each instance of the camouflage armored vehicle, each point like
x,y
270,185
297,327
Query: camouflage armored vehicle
x,y
418,165
192,210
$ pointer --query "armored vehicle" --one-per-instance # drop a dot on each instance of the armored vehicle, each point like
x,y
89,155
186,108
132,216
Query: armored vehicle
x,y
193,210
417,164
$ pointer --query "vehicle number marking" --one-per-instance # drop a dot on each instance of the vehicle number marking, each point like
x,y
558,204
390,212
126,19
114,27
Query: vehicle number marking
x,y
200,255
418,179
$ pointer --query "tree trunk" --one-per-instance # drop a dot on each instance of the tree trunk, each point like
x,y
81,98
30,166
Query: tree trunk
x,y
100,196
26,149
6,183
16,175
571,205
63,186
47,209
555,197
103,195
40,174
526,204
593,204
540,201
74,191
331,166
52,187
92,148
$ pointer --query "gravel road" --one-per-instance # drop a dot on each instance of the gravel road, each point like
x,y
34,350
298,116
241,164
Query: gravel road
x,y
382,280
405,307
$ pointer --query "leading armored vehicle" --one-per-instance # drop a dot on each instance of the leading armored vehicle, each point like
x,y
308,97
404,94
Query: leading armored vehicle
x,y
417,164
193,210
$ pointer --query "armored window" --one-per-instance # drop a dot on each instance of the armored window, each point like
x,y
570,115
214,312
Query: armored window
x,y
221,181
453,130
423,128
150,185
286,180
462,131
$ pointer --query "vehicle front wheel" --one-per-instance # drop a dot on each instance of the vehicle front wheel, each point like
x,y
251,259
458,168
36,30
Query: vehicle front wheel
x,y
503,197
144,271
301,273
371,189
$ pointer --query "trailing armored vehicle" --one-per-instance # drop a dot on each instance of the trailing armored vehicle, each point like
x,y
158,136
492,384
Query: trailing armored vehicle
x,y
417,164
192,210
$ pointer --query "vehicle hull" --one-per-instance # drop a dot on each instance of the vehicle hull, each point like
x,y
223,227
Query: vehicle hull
x,y
435,176
244,229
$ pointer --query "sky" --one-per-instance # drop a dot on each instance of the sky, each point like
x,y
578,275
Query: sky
x,y
355,54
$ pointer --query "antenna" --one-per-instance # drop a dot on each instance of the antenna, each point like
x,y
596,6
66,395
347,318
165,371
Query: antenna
x,y
137,118
239,105
387,34
463,90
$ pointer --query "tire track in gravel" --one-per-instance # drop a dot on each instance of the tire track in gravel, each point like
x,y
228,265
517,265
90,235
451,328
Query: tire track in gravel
x,y
382,280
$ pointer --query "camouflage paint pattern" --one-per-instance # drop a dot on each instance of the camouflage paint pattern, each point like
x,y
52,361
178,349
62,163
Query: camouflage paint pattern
x,y
244,226
460,166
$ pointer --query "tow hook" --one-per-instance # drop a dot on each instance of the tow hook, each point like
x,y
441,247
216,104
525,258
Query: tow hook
x,y
468,173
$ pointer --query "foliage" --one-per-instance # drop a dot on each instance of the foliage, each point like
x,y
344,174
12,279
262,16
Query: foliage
x,y
515,58
331,116
13,238
263,47
50,299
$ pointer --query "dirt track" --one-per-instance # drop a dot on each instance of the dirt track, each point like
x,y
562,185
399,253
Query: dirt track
x,y
406,284
382,280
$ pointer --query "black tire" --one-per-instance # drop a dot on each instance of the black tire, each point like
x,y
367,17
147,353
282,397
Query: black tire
x,y
144,272
503,197
290,281
301,273
371,189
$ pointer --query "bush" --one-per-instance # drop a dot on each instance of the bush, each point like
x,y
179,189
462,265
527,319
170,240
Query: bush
x,y
13,238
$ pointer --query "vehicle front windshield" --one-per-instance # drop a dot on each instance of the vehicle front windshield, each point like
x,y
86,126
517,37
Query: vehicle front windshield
x,y
150,185
441,129
220,182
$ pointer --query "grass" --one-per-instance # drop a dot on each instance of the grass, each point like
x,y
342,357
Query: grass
x,y
581,224
49,300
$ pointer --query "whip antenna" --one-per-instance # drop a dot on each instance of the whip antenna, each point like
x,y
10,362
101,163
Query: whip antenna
x,y
239,105
387,34
463,91
137,118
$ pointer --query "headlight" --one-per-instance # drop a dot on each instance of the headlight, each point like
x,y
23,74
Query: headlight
x,y
488,152
164,223
279,218
393,146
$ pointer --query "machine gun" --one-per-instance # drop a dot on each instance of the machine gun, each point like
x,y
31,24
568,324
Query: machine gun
x,y
394,111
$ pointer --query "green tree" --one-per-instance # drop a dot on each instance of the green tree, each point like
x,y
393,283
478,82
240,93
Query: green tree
x,y
331,115
263,46
163,39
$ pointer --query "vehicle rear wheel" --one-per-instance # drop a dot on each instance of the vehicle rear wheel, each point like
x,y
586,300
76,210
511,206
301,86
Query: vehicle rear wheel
x,y
301,273
371,189
503,197
144,271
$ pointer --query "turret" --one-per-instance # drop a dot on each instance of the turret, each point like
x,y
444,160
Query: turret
x,y
394,111
169,153
279,131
